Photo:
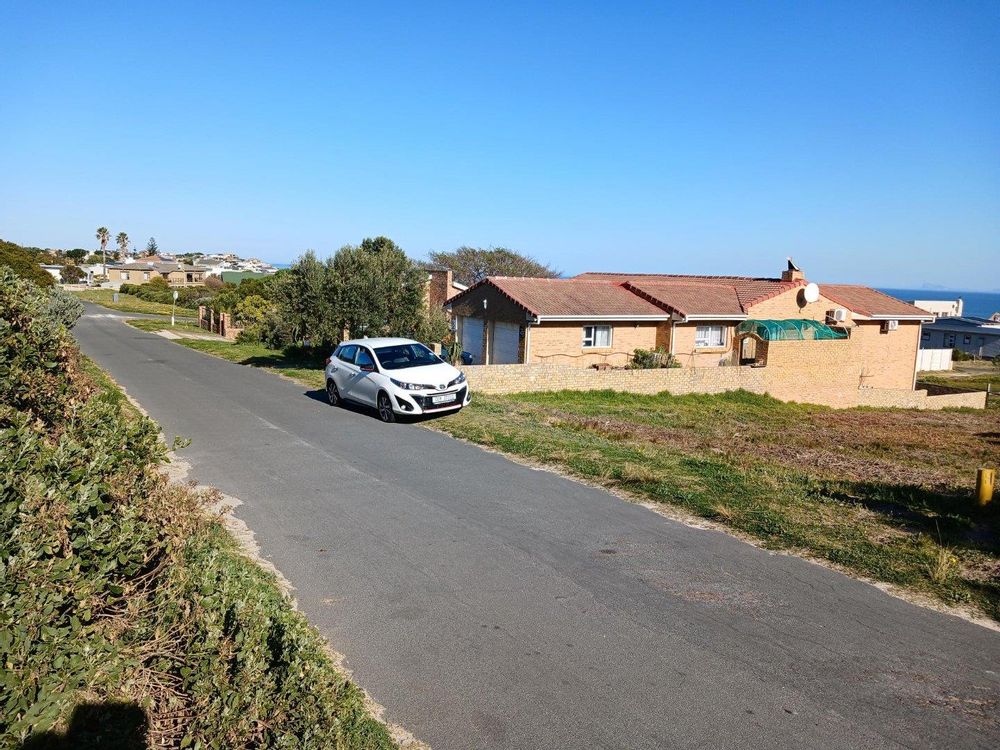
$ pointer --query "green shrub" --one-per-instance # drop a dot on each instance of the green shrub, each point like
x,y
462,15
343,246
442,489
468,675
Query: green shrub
x,y
64,307
72,274
157,290
116,586
959,356
651,359
25,263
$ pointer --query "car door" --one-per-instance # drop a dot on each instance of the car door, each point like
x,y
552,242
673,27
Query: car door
x,y
364,386
345,369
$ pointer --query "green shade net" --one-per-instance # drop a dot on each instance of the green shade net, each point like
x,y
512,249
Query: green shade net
x,y
789,330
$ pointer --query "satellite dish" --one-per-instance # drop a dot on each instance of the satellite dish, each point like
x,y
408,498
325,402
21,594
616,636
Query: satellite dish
x,y
811,292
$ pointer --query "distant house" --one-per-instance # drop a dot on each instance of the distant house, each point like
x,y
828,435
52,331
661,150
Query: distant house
x,y
703,321
175,274
979,337
940,308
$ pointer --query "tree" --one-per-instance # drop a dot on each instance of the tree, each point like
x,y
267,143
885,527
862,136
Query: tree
x,y
72,274
77,254
305,304
472,264
151,246
122,240
376,289
103,235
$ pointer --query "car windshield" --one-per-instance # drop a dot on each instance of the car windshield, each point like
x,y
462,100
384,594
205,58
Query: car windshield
x,y
406,355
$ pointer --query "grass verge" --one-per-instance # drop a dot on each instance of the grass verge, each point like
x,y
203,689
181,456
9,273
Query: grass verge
x,y
129,304
884,493
304,367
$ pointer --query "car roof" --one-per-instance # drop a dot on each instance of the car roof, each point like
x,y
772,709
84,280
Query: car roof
x,y
380,341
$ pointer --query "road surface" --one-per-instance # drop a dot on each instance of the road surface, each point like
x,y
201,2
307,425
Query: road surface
x,y
489,605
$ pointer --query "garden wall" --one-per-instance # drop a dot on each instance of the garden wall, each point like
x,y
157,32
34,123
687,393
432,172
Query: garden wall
x,y
217,322
840,393
520,378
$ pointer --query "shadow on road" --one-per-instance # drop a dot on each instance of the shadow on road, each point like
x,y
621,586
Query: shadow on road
x,y
108,726
320,395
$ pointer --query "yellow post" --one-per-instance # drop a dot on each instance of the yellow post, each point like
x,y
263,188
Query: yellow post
x,y
985,479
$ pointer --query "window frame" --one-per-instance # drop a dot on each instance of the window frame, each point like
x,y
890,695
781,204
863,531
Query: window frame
x,y
371,357
343,349
723,336
593,336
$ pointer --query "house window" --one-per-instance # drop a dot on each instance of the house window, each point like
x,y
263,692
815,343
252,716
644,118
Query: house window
x,y
967,340
145,275
949,341
124,275
710,337
926,336
596,337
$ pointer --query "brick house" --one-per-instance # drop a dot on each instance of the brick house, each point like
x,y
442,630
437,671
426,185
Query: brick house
x,y
597,318
175,274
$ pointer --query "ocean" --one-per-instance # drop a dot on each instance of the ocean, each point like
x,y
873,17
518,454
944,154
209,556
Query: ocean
x,y
979,304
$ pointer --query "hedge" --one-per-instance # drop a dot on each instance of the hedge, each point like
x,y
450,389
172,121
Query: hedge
x,y
120,589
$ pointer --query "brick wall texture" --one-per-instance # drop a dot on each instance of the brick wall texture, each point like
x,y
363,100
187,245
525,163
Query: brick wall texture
x,y
499,379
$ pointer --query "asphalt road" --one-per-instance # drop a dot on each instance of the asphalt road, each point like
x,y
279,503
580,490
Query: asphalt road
x,y
490,605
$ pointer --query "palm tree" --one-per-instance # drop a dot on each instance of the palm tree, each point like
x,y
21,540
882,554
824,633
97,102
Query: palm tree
x,y
103,235
122,240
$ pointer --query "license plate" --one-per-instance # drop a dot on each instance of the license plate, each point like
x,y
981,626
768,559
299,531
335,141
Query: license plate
x,y
443,398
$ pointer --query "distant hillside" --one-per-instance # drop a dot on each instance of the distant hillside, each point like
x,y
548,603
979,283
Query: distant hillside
x,y
25,263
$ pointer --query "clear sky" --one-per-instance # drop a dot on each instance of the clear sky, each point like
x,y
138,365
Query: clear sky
x,y
861,138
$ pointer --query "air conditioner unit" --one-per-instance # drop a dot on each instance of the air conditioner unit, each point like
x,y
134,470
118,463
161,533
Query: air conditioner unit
x,y
837,316
889,325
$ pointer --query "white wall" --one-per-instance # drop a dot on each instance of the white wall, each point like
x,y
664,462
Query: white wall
x,y
933,359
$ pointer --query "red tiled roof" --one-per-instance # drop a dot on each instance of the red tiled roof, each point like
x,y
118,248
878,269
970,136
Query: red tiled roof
x,y
569,297
691,299
642,295
701,295
867,301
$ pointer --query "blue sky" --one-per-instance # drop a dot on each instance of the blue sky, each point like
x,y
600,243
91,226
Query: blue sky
x,y
861,138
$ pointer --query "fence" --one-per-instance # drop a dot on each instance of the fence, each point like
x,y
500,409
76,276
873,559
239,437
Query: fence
x,y
933,359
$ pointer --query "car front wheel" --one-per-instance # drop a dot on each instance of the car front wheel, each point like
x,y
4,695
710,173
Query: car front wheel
x,y
385,412
332,394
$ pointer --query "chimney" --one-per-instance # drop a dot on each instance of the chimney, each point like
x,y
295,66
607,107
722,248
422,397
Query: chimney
x,y
439,287
792,273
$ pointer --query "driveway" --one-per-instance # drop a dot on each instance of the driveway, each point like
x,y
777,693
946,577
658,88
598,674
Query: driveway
x,y
489,605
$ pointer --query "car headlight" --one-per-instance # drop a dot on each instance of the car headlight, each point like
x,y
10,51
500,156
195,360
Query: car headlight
x,y
459,379
411,386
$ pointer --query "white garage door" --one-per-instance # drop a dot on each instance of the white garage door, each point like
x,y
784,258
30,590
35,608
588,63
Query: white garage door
x,y
472,339
506,343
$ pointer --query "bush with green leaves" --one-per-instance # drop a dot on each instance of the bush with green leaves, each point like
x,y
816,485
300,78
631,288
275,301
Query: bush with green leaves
x,y
64,307
652,359
157,290
116,586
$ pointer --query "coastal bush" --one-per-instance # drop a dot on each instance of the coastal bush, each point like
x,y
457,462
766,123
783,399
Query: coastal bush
x,y
119,588
157,290
64,307
651,359
24,262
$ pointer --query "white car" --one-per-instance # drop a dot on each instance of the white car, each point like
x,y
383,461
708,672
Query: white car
x,y
396,376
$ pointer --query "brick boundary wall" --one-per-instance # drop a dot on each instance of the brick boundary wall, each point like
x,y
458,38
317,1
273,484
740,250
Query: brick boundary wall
x,y
503,379
220,323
